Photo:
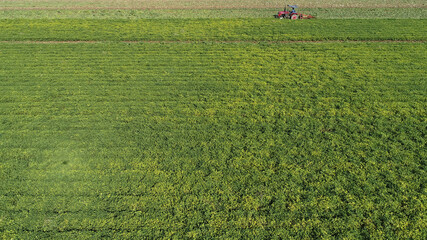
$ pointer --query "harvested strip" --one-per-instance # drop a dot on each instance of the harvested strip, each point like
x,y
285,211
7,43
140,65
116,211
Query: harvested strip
x,y
196,4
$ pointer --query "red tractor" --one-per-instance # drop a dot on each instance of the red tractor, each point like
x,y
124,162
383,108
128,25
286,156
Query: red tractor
x,y
292,14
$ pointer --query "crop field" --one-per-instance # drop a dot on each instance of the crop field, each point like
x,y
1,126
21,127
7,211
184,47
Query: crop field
x,y
172,9
322,13
196,4
199,30
206,128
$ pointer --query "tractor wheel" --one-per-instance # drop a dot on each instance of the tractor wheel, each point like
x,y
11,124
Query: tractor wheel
x,y
281,17
294,17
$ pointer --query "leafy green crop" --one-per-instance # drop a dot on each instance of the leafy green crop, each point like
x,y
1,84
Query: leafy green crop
x,y
320,13
210,140
211,30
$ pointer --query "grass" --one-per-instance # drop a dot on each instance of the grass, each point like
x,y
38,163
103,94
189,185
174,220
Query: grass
x,y
212,128
320,13
210,30
301,140
221,4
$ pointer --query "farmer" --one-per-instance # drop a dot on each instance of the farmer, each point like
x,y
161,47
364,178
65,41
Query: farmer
x,y
293,11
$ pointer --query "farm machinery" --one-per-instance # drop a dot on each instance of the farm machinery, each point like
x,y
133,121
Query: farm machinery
x,y
292,14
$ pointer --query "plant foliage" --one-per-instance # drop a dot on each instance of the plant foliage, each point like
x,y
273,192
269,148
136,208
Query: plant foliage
x,y
212,140
210,29
254,140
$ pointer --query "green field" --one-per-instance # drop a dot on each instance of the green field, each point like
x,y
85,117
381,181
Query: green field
x,y
262,29
172,9
224,128
216,4
321,13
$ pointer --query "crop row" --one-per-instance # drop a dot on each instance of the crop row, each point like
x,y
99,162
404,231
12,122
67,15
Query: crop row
x,y
210,30
301,140
320,13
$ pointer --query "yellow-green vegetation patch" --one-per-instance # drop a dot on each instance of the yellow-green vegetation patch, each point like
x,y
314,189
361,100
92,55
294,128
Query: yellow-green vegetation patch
x,y
210,30
320,13
213,140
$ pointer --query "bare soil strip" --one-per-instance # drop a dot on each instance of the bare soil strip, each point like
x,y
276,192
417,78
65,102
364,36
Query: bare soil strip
x,y
152,41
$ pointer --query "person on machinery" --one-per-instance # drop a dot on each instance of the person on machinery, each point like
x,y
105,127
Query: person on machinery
x,y
293,11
